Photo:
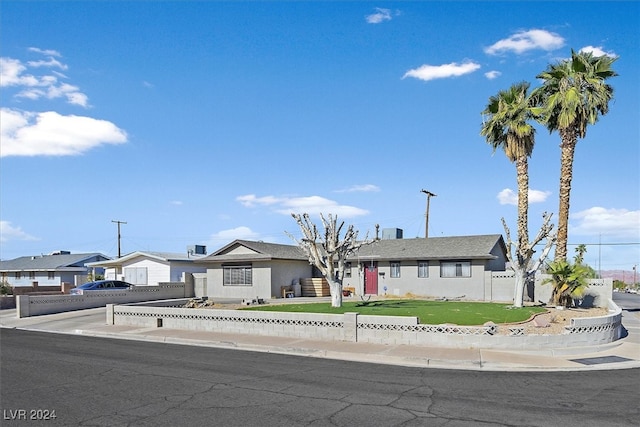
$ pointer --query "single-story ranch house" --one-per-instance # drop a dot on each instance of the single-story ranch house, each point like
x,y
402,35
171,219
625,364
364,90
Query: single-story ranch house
x,y
151,268
48,270
469,267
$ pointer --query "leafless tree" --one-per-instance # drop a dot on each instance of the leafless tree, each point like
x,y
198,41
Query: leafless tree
x,y
522,264
327,251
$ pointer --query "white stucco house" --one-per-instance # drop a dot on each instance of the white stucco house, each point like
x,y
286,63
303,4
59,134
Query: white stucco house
x,y
469,267
151,268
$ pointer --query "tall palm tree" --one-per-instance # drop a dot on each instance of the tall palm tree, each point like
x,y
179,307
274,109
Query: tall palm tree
x,y
574,93
507,126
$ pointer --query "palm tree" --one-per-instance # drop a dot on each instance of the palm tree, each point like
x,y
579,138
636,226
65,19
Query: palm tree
x,y
574,93
506,126
569,281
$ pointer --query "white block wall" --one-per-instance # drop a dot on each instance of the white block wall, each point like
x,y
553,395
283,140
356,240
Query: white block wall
x,y
28,305
353,327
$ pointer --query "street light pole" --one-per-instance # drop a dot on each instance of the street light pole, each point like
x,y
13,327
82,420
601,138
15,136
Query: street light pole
x,y
426,216
118,222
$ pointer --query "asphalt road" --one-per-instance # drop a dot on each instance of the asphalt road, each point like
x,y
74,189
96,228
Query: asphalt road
x,y
627,301
97,381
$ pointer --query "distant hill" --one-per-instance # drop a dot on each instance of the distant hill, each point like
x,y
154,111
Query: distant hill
x,y
625,276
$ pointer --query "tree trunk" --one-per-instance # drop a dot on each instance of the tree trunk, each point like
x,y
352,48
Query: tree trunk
x,y
522,170
521,282
569,140
335,287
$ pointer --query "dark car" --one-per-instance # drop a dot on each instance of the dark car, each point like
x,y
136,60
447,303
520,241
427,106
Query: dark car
x,y
101,285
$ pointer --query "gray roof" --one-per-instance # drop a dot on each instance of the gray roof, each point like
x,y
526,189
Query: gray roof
x,y
262,251
49,262
456,247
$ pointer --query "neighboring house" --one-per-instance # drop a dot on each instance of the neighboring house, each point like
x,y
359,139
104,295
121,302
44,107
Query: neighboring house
x,y
439,266
151,268
49,270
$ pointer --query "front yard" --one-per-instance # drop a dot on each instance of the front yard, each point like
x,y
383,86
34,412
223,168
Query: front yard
x,y
429,312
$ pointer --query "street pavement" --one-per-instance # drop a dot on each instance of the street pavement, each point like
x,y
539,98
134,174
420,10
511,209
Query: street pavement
x,y
621,354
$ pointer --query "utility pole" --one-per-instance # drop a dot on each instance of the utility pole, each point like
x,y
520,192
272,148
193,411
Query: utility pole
x,y
118,222
426,216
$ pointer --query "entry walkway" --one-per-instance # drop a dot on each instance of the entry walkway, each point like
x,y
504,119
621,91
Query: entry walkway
x,y
622,354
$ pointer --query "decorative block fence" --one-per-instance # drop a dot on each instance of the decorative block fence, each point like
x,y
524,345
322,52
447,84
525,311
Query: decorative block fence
x,y
29,305
353,327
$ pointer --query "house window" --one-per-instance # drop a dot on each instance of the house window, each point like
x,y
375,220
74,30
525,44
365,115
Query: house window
x,y
17,275
51,275
237,275
32,275
347,269
455,269
395,269
423,268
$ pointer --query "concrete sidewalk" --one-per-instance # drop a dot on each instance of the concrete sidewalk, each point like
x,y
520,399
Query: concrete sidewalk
x,y
622,354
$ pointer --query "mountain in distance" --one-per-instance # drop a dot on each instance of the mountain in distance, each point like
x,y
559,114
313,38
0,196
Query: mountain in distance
x,y
625,276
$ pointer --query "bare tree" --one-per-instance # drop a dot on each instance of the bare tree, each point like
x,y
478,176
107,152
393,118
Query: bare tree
x,y
522,264
327,251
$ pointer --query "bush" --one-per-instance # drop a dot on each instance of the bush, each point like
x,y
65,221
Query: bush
x,y
6,289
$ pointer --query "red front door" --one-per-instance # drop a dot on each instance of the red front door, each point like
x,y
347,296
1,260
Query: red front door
x,y
371,278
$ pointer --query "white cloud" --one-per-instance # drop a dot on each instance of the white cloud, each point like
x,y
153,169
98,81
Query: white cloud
x,y
250,200
176,203
366,188
431,72
526,40
13,73
51,62
598,51
9,232
241,232
607,222
47,52
312,205
73,95
492,74
51,134
379,16
510,197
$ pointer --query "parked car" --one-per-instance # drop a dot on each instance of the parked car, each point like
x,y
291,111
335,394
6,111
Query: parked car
x,y
101,285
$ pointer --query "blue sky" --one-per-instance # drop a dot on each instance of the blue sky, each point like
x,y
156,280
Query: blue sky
x,y
203,122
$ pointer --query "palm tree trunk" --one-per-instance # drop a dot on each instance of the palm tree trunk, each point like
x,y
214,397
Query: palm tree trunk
x,y
522,254
522,169
569,139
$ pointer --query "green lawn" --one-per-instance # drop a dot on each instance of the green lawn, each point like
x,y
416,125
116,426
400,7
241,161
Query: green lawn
x,y
429,312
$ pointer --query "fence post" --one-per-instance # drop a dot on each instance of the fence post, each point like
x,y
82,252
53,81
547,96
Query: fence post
x,y
110,319
350,327
22,306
